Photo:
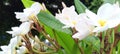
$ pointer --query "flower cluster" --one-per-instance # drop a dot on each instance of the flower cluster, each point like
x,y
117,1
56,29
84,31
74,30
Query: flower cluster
x,y
21,42
108,16
83,25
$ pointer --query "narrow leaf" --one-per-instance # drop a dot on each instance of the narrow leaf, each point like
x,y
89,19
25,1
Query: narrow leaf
x,y
27,3
80,6
113,36
50,21
93,42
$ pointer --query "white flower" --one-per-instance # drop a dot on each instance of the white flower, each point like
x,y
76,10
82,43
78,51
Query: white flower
x,y
23,29
108,16
11,48
22,50
68,17
6,50
83,27
29,12
15,41
32,42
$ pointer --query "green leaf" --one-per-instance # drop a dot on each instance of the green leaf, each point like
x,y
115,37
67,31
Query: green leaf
x,y
63,36
109,1
88,50
114,51
93,42
27,3
112,36
80,6
49,20
67,42
118,29
118,1
49,31
118,46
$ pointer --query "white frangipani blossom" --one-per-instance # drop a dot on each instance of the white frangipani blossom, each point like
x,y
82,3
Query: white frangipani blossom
x,y
23,29
11,48
68,17
108,16
6,49
29,12
15,41
83,27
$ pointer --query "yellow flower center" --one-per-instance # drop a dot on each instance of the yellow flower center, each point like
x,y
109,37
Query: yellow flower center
x,y
74,22
66,17
102,22
32,16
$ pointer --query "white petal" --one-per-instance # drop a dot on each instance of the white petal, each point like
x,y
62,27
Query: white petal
x,y
70,11
76,35
91,15
1,52
15,28
24,16
25,27
14,32
62,19
22,50
93,18
113,23
68,16
80,36
83,28
20,15
100,29
107,11
10,32
31,41
83,25
4,48
36,7
104,10
15,41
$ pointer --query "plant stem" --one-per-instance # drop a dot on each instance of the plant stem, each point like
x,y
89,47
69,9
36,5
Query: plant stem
x,y
42,43
51,41
38,52
56,42
81,50
27,43
117,38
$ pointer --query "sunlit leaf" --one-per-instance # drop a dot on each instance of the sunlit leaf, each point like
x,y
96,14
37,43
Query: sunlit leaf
x,y
80,7
49,31
94,42
27,3
118,47
112,36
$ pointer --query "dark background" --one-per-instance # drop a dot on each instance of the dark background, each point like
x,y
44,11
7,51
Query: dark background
x,y
8,7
